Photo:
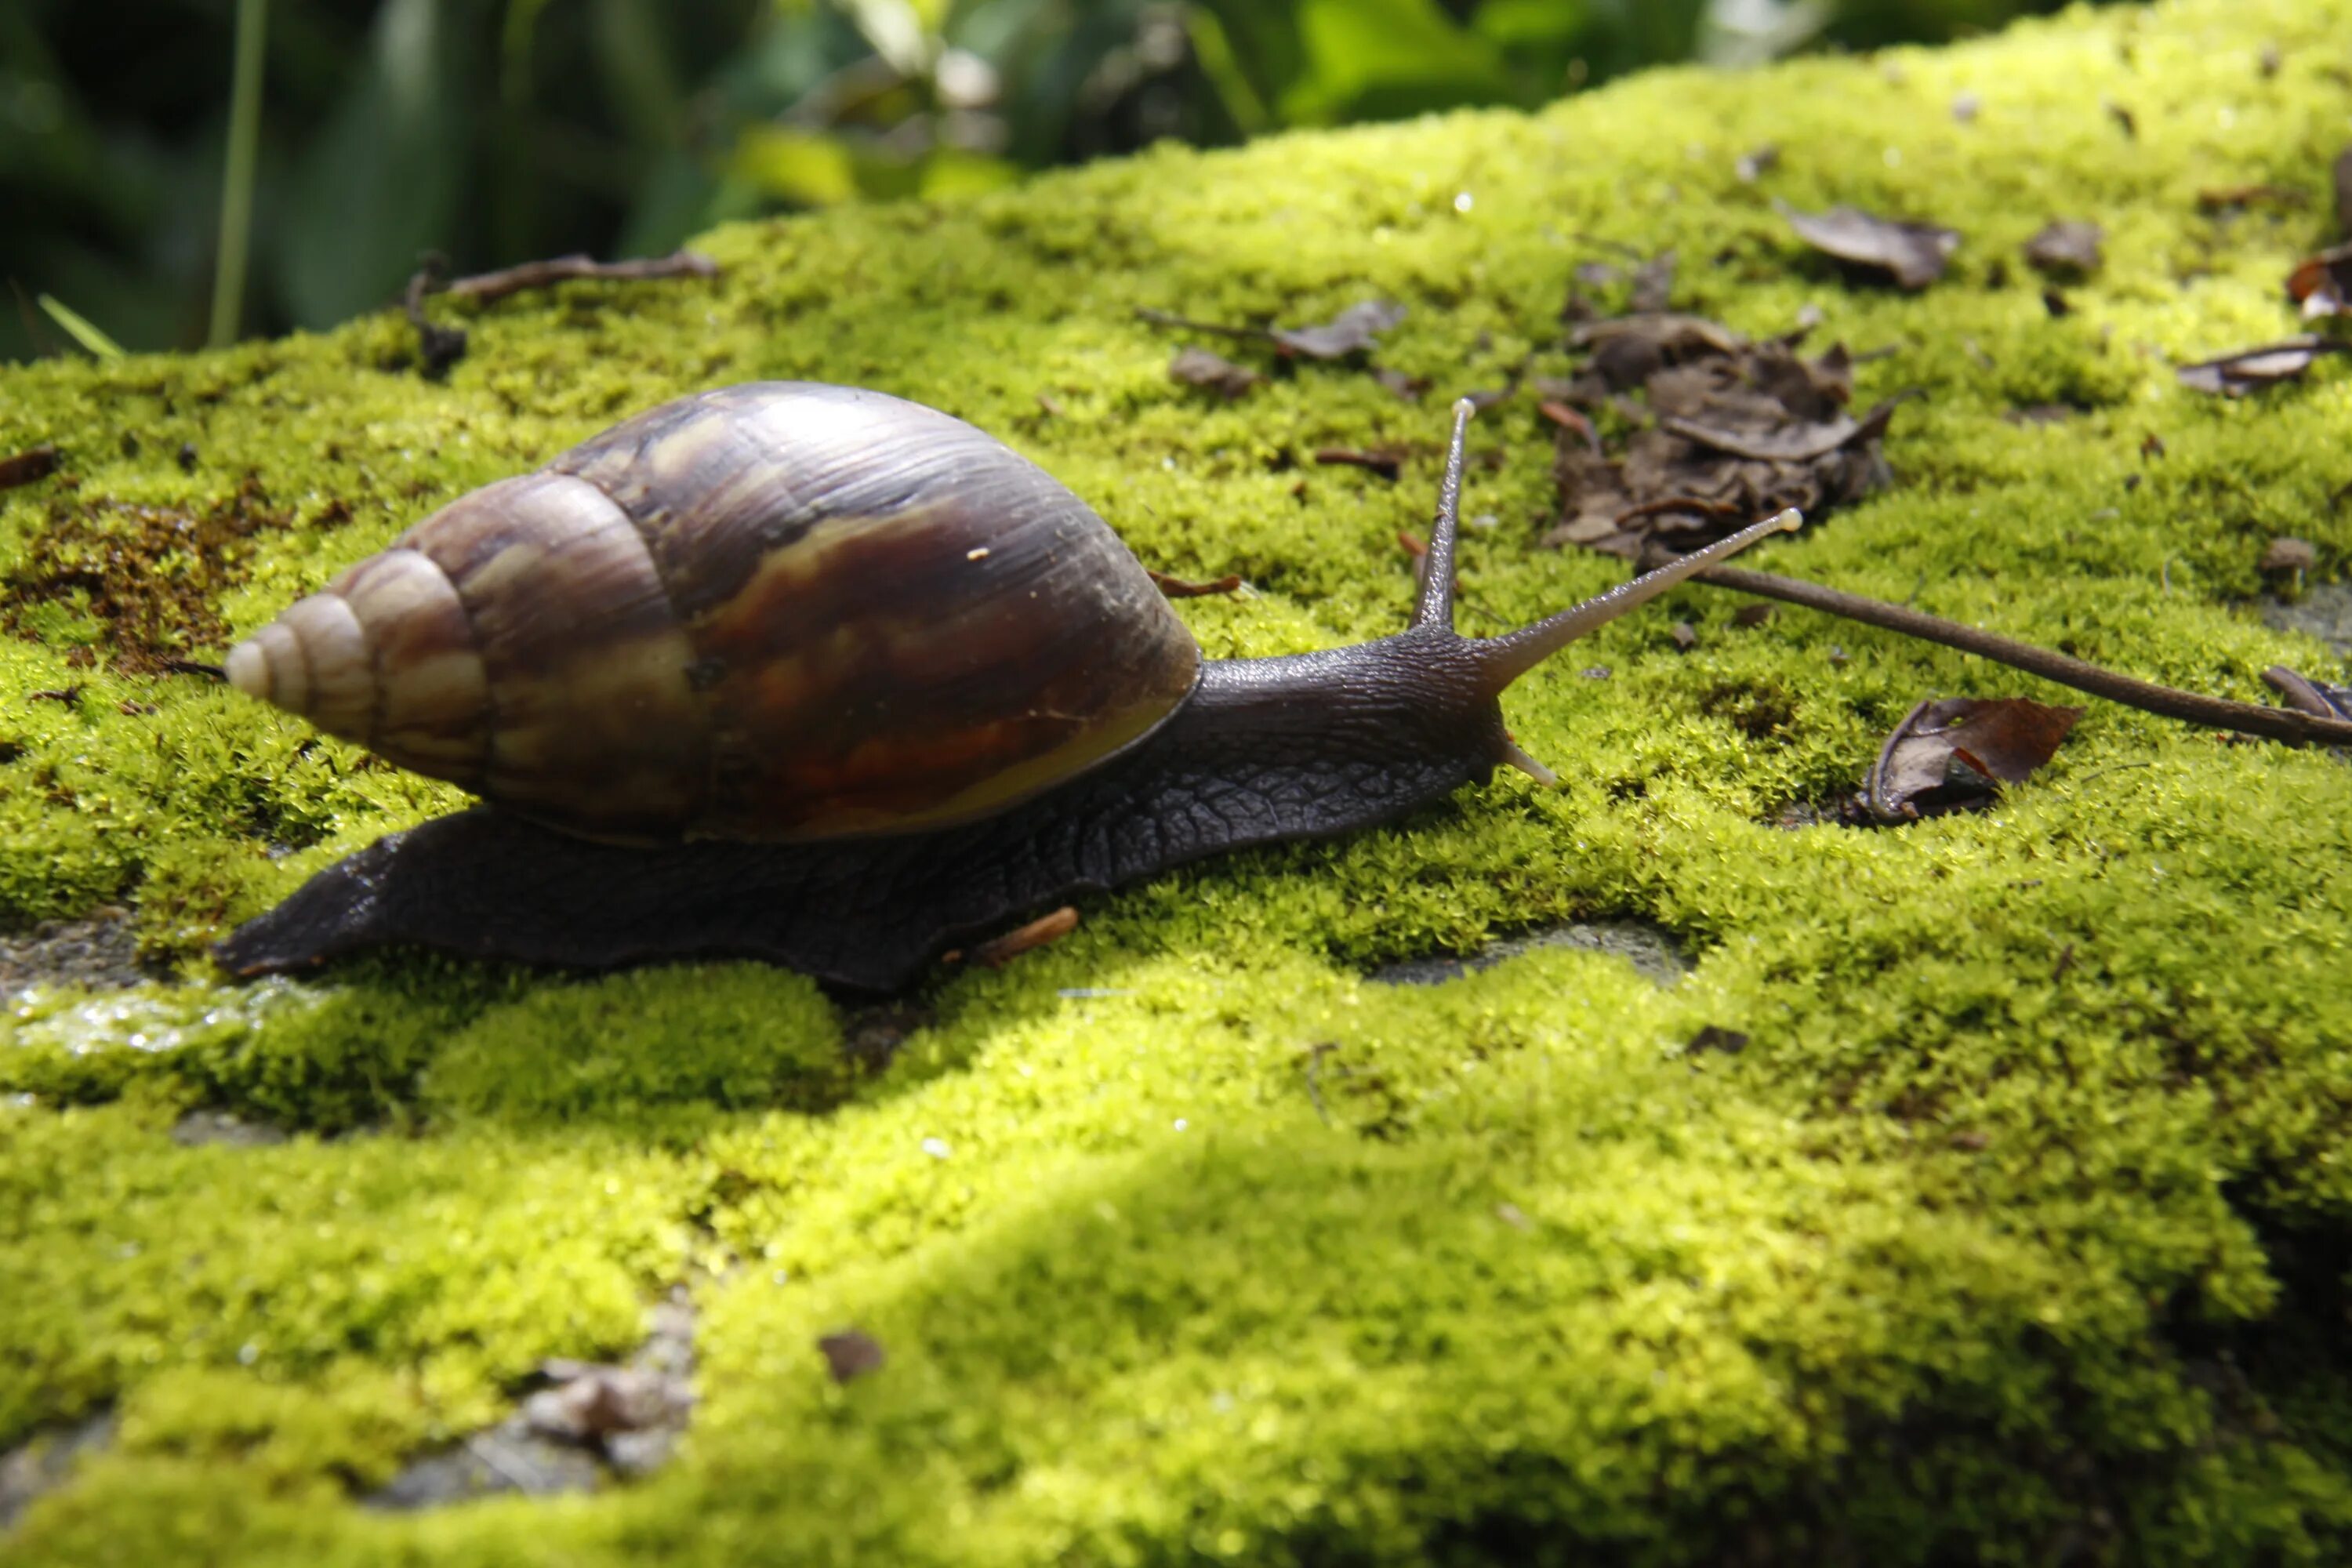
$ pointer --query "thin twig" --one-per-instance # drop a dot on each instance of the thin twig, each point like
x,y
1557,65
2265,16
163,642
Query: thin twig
x,y
193,666
1169,319
566,269
2247,718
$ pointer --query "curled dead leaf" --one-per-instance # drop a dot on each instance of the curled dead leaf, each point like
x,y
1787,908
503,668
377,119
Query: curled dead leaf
x,y
2290,555
1352,329
2323,283
1912,253
1200,367
26,467
1994,741
2067,247
850,1353
2235,375
2319,698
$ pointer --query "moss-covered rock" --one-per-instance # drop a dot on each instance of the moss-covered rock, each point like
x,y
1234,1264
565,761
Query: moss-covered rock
x,y
2017,1232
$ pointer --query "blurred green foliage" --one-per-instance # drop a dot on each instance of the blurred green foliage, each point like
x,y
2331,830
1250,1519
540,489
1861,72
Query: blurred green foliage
x,y
491,132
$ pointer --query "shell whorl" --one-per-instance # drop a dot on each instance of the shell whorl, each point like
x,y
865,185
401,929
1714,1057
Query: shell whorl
x,y
779,611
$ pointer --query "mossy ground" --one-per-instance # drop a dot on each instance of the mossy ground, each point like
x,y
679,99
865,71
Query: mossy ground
x,y
2018,1231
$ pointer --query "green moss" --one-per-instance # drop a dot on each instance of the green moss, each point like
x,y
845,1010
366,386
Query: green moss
x,y
2017,1229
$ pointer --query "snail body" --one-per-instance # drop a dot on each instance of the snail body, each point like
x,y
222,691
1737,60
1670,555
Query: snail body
x,y
819,676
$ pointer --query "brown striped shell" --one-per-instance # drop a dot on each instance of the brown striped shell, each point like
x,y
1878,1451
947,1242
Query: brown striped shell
x,y
775,611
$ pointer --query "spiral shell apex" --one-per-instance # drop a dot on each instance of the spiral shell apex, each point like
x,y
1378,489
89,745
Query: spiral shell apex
x,y
778,611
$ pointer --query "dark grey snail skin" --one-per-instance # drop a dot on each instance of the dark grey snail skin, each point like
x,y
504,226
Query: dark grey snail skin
x,y
1308,746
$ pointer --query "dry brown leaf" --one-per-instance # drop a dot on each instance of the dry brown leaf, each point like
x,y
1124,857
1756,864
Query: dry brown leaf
x,y
1654,284
25,468
2323,283
1200,367
850,1353
2290,555
2317,698
1912,253
2235,375
1996,741
2066,247
1356,328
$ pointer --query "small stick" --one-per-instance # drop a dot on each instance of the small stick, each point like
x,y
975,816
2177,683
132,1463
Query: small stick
x,y
193,666
1169,319
999,950
1182,588
25,468
566,269
2246,718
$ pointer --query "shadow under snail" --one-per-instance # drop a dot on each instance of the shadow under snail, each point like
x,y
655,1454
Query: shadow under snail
x,y
819,676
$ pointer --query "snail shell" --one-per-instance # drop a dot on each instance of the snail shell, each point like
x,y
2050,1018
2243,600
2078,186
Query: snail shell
x,y
777,611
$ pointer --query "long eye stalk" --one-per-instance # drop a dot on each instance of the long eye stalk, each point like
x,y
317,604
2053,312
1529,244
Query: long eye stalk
x,y
1513,654
1505,659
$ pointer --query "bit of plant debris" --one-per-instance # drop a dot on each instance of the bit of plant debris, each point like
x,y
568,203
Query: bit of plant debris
x,y
1409,387
1654,284
2246,718
1752,614
150,576
1180,588
2230,198
1200,367
1567,418
1385,461
1743,430
591,1403
2323,283
999,950
26,467
2067,247
439,348
1685,634
2319,698
2125,120
850,1353
2248,370
1954,753
2290,555
1912,254
591,1421
1716,1037
574,269
1352,331
1755,164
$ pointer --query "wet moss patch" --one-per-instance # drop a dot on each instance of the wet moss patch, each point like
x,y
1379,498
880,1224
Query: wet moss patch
x,y
2014,1231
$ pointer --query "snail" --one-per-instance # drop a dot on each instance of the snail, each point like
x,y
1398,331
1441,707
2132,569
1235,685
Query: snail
x,y
819,676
